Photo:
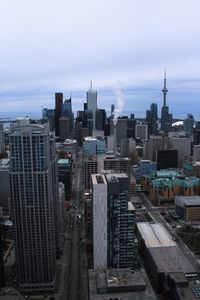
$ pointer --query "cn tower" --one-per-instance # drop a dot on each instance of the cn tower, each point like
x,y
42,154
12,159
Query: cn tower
x,y
164,90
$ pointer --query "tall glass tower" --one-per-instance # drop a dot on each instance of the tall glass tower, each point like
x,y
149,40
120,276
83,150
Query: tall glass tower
x,y
33,202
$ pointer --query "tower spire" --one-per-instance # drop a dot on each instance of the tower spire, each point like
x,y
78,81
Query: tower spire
x,y
91,85
164,90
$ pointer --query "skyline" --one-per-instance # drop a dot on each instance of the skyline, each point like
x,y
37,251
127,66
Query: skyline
x,y
60,46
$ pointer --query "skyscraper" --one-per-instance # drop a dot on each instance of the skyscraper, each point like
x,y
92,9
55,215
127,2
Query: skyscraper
x,y
58,104
166,117
114,243
152,118
92,103
33,203
66,111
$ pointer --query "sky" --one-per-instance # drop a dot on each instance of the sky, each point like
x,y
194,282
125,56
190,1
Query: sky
x,y
59,46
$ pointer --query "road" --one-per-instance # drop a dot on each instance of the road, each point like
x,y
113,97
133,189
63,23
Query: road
x,y
76,270
157,218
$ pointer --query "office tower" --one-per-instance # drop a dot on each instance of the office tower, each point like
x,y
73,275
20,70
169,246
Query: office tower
x,y
81,117
113,222
66,112
100,211
166,117
122,165
48,115
152,118
77,132
183,146
85,106
131,123
112,109
58,104
90,167
154,143
92,103
188,124
33,182
4,184
121,130
89,121
64,128
141,131
166,159
100,119
94,146
64,175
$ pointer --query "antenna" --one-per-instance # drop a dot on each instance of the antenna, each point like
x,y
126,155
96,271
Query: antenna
x,y
91,85
165,72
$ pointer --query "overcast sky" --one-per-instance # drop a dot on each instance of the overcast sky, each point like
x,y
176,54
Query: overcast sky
x,y
48,46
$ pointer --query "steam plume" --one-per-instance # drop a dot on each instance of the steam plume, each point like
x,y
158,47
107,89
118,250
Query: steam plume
x,y
119,104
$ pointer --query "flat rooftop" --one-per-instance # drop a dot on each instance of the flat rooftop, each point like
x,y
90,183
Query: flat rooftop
x,y
114,176
120,284
98,179
168,173
171,259
187,200
63,161
155,235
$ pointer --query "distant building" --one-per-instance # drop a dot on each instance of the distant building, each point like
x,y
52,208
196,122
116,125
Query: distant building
x,y
141,131
183,146
152,118
94,146
49,116
166,159
64,128
100,116
92,104
58,105
66,112
90,167
166,117
188,124
121,165
144,167
64,175
153,144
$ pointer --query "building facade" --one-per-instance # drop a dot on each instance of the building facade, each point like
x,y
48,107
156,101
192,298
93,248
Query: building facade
x,y
33,206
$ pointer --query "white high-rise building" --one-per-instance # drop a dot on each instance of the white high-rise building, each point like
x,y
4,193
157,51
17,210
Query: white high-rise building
x,y
99,221
92,104
33,202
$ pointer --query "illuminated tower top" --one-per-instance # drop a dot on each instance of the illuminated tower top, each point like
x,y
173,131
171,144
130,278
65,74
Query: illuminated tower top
x,y
164,90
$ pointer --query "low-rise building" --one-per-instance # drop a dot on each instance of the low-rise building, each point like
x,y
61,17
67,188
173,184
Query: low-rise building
x,y
164,185
118,284
188,208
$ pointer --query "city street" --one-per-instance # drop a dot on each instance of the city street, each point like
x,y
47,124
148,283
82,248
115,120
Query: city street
x,y
76,271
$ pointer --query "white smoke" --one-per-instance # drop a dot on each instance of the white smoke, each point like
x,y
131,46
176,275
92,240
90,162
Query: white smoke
x,y
119,104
